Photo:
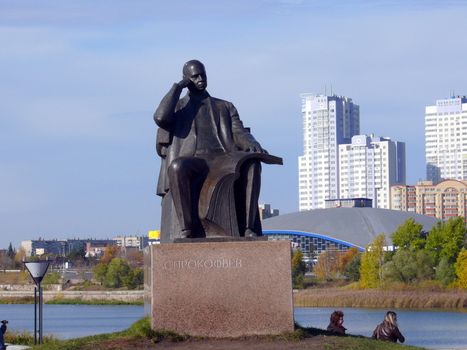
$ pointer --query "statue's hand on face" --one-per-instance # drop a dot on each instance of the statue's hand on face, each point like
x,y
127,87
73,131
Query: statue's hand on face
x,y
184,82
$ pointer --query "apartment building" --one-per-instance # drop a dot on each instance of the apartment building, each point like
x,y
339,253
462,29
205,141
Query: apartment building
x,y
328,121
446,139
369,166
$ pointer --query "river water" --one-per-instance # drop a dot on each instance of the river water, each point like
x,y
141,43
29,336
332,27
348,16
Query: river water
x,y
429,329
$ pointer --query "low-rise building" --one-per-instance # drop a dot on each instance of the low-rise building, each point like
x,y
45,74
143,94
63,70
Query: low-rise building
x,y
265,211
96,247
139,242
338,229
349,203
55,246
92,247
443,200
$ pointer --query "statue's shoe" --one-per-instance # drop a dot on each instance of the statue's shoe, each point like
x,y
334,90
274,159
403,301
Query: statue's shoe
x,y
185,234
250,233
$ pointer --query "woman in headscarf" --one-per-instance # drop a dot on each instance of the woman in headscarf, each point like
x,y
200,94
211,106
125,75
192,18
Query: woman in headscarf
x,y
388,330
336,321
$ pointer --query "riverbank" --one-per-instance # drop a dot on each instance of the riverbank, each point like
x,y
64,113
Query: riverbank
x,y
109,297
140,336
374,298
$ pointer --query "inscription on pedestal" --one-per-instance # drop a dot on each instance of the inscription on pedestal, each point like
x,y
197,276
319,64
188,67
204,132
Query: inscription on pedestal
x,y
203,264
222,289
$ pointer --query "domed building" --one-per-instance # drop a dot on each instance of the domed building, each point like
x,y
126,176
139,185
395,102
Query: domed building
x,y
314,231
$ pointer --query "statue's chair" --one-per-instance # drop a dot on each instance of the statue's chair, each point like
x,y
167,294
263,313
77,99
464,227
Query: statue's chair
x,y
221,204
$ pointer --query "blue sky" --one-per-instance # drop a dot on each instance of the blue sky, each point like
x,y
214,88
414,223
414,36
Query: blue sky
x,y
80,80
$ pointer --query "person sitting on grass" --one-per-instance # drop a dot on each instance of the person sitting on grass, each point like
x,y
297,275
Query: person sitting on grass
x,y
388,330
336,321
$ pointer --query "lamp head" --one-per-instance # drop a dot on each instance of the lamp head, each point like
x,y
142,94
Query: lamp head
x,y
37,269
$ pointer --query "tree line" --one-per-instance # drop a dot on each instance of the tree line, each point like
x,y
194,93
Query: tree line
x,y
114,271
434,258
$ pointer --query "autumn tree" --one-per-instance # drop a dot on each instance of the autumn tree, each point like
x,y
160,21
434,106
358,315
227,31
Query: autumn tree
x,y
461,269
344,259
372,262
20,256
135,258
110,252
298,269
327,266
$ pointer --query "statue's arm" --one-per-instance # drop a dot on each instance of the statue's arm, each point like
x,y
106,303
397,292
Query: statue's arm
x,y
165,113
243,139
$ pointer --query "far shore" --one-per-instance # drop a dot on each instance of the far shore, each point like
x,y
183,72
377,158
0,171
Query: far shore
x,y
374,298
106,297
311,297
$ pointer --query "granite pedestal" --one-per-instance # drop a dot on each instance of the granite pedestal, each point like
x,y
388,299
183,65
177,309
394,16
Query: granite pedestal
x,y
220,289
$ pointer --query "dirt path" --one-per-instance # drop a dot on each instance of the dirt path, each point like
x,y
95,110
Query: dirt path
x,y
314,343
319,342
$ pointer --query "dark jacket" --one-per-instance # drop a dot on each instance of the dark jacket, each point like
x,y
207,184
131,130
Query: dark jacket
x,y
337,329
2,340
176,136
385,332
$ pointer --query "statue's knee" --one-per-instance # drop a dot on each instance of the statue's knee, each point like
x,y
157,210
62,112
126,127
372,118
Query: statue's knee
x,y
253,167
176,166
257,165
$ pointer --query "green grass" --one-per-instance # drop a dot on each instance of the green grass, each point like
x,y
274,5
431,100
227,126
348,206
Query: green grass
x,y
357,343
23,338
141,329
78,343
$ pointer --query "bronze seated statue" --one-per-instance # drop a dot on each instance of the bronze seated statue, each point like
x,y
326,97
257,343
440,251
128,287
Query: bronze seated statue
x,y
210,164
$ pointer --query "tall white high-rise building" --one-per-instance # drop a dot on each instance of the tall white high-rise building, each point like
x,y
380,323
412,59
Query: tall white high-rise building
x,y
446,139
369,166
328,121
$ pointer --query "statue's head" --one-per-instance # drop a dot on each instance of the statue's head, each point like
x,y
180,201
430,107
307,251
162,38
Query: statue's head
x,y
195,72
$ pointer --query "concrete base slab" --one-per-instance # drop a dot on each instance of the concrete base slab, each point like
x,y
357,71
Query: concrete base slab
x,y
221,289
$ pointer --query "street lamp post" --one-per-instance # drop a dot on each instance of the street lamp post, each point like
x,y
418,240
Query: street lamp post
x,y
37,270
